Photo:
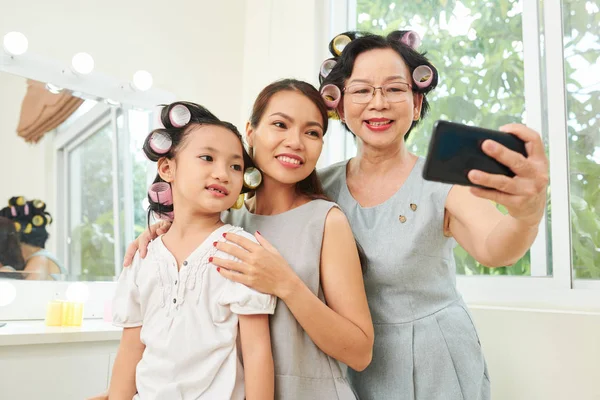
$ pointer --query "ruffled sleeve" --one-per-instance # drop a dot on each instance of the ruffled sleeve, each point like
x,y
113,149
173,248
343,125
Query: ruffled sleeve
x,y
245,301
240,298
126,308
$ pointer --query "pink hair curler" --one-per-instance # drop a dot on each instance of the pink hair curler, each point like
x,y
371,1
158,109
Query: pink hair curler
x,y
13,211
422,76
160,192
332,95
160,142
26,209
180,116
411,39
327,66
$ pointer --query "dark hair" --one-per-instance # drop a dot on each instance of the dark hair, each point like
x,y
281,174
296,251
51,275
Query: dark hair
x,y
311,185
31,219
199,116
364,41
10,247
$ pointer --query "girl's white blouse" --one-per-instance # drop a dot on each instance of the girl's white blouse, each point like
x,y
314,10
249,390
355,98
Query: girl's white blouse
x,y
189,321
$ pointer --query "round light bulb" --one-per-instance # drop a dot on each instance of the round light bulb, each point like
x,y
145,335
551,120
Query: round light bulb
x,y
142,80
82,63
78,292
8,293
15,43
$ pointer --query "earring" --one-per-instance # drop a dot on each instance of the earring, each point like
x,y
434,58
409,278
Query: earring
x,y
239,202
252,178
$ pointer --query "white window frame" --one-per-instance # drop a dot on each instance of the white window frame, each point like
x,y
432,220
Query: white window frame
x,y
65,142
538,291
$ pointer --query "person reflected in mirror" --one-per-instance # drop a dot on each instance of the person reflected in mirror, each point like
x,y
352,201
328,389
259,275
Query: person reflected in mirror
x,y
11,259
30,220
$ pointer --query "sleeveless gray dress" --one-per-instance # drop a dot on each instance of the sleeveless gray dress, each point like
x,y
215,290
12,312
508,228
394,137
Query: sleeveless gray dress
x,y
302,371
426,346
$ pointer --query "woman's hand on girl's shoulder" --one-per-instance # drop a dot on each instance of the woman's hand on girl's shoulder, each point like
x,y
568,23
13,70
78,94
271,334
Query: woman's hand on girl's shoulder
x,y
260,266
141,243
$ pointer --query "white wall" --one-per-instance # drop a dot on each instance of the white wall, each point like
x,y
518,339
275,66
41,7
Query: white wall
x,y
282,39
192,48
535,355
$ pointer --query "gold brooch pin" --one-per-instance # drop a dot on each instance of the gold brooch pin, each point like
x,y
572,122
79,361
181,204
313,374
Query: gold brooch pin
x,y
413,206
402,218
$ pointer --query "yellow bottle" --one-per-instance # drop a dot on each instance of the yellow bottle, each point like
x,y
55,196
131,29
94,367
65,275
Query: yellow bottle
x,y
54,313
72,314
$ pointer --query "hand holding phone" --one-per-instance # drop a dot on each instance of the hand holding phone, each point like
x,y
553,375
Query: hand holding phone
x,y
455,149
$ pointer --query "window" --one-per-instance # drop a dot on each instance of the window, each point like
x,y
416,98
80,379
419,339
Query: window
x,y
90,199
582,72
102,196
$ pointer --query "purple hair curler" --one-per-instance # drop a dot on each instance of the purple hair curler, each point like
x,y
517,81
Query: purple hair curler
x,y
160,192
160,142
180,116
332,95
411,39
422,76
327,66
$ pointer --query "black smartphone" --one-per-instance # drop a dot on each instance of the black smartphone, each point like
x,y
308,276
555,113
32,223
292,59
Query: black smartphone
x,y
455,149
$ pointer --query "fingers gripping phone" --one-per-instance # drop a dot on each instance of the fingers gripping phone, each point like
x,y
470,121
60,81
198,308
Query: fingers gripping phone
x,y
455,149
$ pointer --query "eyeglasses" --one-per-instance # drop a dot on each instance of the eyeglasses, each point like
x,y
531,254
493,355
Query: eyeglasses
x,y
394,92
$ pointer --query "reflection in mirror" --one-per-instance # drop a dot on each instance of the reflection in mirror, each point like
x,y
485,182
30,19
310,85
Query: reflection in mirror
x,y
23,224
78,156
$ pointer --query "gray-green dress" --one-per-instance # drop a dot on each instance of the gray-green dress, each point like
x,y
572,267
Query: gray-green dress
x,y
302,370
426,346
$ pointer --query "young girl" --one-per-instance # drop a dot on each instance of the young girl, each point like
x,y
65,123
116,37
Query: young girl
x,y
180,316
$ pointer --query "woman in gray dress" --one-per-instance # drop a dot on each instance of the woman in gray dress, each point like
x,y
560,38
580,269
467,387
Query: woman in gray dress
x,y
426,347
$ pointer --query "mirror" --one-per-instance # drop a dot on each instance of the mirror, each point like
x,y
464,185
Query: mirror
x,y
76,176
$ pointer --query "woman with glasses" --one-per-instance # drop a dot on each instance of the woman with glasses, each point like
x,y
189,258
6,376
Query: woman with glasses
x,y
426,346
